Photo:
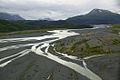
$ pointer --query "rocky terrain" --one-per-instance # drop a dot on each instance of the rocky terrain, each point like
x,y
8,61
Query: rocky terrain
x,y
95,49
91,42
99,47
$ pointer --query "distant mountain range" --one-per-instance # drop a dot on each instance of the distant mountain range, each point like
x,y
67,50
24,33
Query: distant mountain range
x,y
96,16
7,16
10,23
47,19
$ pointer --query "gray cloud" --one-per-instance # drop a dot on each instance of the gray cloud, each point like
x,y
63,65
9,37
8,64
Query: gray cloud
x,y
118,2
56,9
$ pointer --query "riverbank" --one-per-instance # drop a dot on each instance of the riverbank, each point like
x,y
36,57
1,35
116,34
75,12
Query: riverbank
x,y
26,33
90,42
36,68
107,66
104,43
31,58
9,28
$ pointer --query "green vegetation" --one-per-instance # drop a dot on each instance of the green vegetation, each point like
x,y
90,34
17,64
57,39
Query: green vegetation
x,y
116,41
26,27
2,35
92,44
115,28
95,50
8,26
81,49
72,49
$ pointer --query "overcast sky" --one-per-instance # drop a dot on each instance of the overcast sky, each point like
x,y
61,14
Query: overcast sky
x,y
55,9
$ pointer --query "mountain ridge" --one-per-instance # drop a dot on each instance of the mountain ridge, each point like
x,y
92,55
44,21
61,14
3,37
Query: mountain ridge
x,y
8,16
96,16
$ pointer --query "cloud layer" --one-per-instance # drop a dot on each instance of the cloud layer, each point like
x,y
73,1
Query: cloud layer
x,y
56,9
118,2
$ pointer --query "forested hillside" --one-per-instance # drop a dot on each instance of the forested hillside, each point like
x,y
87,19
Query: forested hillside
x,y
11,26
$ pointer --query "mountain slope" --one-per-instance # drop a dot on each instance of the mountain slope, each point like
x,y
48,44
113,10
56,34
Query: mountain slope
x,y
96,16
6,16
10,26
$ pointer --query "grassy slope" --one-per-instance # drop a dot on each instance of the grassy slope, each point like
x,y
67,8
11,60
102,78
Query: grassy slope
x,y
115,28
8,26
91,43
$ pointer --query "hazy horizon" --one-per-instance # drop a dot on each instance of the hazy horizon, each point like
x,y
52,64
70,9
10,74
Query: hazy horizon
x,y
55,9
